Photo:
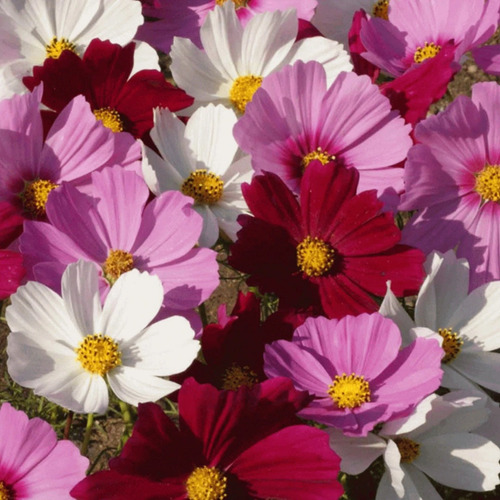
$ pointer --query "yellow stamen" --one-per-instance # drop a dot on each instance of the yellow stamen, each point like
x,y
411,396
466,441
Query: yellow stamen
x,y
35,195
380,9
117,263
236,376
237,3
98,354
318,154
314,256
56,46
428,51
488,183
452,344
349,391
206,483
242,91
110,118
408,449
204,187
5,492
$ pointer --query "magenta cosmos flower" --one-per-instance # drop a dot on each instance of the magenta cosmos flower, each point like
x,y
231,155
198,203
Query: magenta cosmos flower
x,y
416,30
355,370
117,230
231,444
452,178
75,145
333,251
33,464
294,118
183,18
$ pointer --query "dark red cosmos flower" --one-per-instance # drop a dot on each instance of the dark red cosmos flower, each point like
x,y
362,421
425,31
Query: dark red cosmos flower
x,y
11,272
333,251
122,102
230,444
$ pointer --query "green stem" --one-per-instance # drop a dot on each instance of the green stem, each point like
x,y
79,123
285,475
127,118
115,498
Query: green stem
x,y
127,419
88,431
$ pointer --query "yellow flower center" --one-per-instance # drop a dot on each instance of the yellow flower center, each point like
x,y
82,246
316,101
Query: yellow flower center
x,y
349,391
236,376
110,118
380,9
117,263
428,51
98,354
318,154
243,89
35,196
314,256
206,483
237,3
452,344
203,186
488,183
56,46
5,491
408,449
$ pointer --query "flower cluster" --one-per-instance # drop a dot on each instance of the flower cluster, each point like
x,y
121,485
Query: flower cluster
x,y
238,234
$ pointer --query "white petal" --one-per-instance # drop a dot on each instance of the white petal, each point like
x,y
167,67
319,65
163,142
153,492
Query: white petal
x,y
133,301
136,386
418,486
483,368
386,491
210,232
164,348
80,292
356,453
145,57
158,173
463,461
392,459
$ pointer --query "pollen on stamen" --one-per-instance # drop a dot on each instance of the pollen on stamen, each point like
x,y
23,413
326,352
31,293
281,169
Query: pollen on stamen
x,y
317,154
314,256
408,449
56,46
349,391
110,118
380,9
117,263
206,483
243,89
35,195
5,492
488,183
203,186
98,354
428,51
237,3
452,344
237,376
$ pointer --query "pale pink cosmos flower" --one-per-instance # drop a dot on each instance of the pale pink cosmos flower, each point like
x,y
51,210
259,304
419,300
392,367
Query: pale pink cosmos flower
x,y
355,370
34,465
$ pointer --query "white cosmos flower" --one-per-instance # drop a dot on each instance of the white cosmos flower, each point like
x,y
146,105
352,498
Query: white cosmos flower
x,y
44,28
200,160
67,347
235,59
435,440
468,324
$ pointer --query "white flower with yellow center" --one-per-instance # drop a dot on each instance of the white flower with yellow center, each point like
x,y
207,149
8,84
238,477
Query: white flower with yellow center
x,y
235,60
44,28
202,160
69,348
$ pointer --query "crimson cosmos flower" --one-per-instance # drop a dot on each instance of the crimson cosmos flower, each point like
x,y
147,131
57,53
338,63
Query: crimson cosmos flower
x,y
231,444
332,251
122,102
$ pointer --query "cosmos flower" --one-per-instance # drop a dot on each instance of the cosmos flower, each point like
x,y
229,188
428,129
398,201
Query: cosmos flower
x,y
117,231
44,28
231,444
355,370
200,159
296,118
235,60
68,348
452,179
33,463
333,251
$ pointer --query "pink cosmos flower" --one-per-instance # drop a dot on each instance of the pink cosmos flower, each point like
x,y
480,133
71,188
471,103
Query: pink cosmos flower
x,y
183,18
294,119
33,464
416,30
76,144
488,58
117,230
355,370
452,178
